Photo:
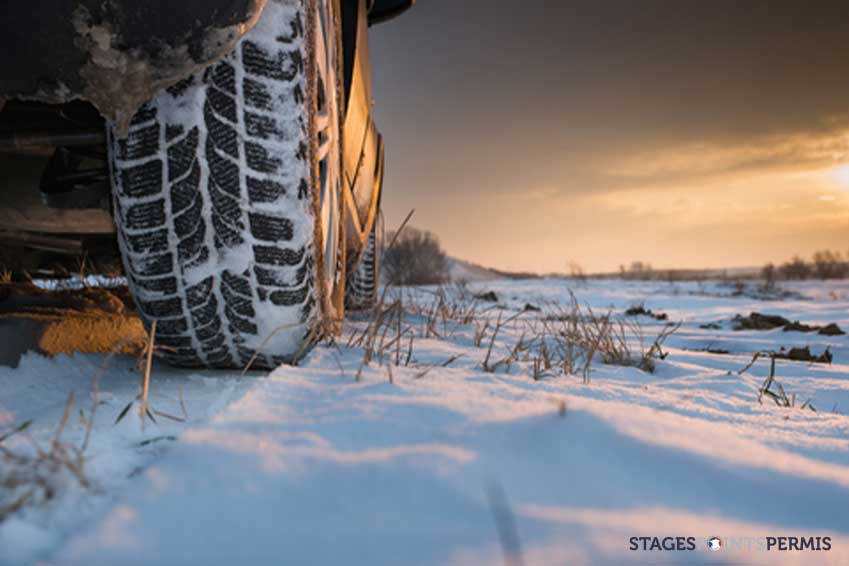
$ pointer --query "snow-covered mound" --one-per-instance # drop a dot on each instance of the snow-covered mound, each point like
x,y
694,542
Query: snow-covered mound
x,y
466,271
458,446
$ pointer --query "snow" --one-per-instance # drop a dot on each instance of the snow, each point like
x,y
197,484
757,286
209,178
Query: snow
x,y
311,465
80,282
461,270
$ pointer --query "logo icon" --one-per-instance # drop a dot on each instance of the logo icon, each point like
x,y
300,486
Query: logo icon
x,y
714,544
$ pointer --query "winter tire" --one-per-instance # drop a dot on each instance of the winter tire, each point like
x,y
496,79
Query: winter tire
x,y
364,280
227,197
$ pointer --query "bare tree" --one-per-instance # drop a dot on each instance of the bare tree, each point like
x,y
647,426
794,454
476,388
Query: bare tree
x,y
768,275
416,258
576,272
637,270
829,265
796,268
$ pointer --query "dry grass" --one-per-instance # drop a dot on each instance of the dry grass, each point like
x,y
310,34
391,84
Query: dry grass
x,y
146,375
145,365
35,476
32,475
770,387
389,337
449,309
517,352
575,336
556,340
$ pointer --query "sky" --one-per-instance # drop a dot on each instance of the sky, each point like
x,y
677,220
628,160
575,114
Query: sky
x,y
683,133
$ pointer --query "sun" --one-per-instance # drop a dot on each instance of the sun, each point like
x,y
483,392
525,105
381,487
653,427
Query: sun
x,y
840,175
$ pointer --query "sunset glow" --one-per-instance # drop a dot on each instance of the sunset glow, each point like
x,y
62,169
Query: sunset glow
x,y
665,144
840,175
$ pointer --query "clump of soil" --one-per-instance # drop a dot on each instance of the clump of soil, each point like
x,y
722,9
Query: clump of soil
x,y
710,350
489,297
92,319
798,327
804,355
758,321
831,330
638,310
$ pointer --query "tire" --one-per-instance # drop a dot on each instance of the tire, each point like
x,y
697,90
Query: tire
x,y
363,281
227,197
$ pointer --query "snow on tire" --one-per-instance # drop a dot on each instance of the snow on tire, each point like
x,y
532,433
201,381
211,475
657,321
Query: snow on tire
x,y
218,197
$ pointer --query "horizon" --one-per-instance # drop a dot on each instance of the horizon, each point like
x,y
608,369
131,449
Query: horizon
x,y
685,135
653,268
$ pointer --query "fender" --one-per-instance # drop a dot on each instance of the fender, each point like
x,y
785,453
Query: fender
x,y
114,54
384,10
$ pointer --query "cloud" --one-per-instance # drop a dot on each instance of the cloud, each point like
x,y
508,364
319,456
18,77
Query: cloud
x,y
697,162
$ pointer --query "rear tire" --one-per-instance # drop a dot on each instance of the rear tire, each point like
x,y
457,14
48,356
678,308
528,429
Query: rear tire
x,y
227,197
363,282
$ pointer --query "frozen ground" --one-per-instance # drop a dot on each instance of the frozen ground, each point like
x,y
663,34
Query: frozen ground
x,y
426,464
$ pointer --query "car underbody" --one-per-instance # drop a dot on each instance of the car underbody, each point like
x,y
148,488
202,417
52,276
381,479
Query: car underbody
x,y
55,104
223,155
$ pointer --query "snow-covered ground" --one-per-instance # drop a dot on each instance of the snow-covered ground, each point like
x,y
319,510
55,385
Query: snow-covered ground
x,y
460,270
437,461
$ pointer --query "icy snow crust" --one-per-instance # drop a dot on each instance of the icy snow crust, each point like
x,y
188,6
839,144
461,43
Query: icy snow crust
x,y
308,465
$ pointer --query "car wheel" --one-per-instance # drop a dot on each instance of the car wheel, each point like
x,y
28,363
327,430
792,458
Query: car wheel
x,y
363,281
227,197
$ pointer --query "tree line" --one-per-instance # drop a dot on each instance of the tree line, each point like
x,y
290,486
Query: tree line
x,y
824,264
